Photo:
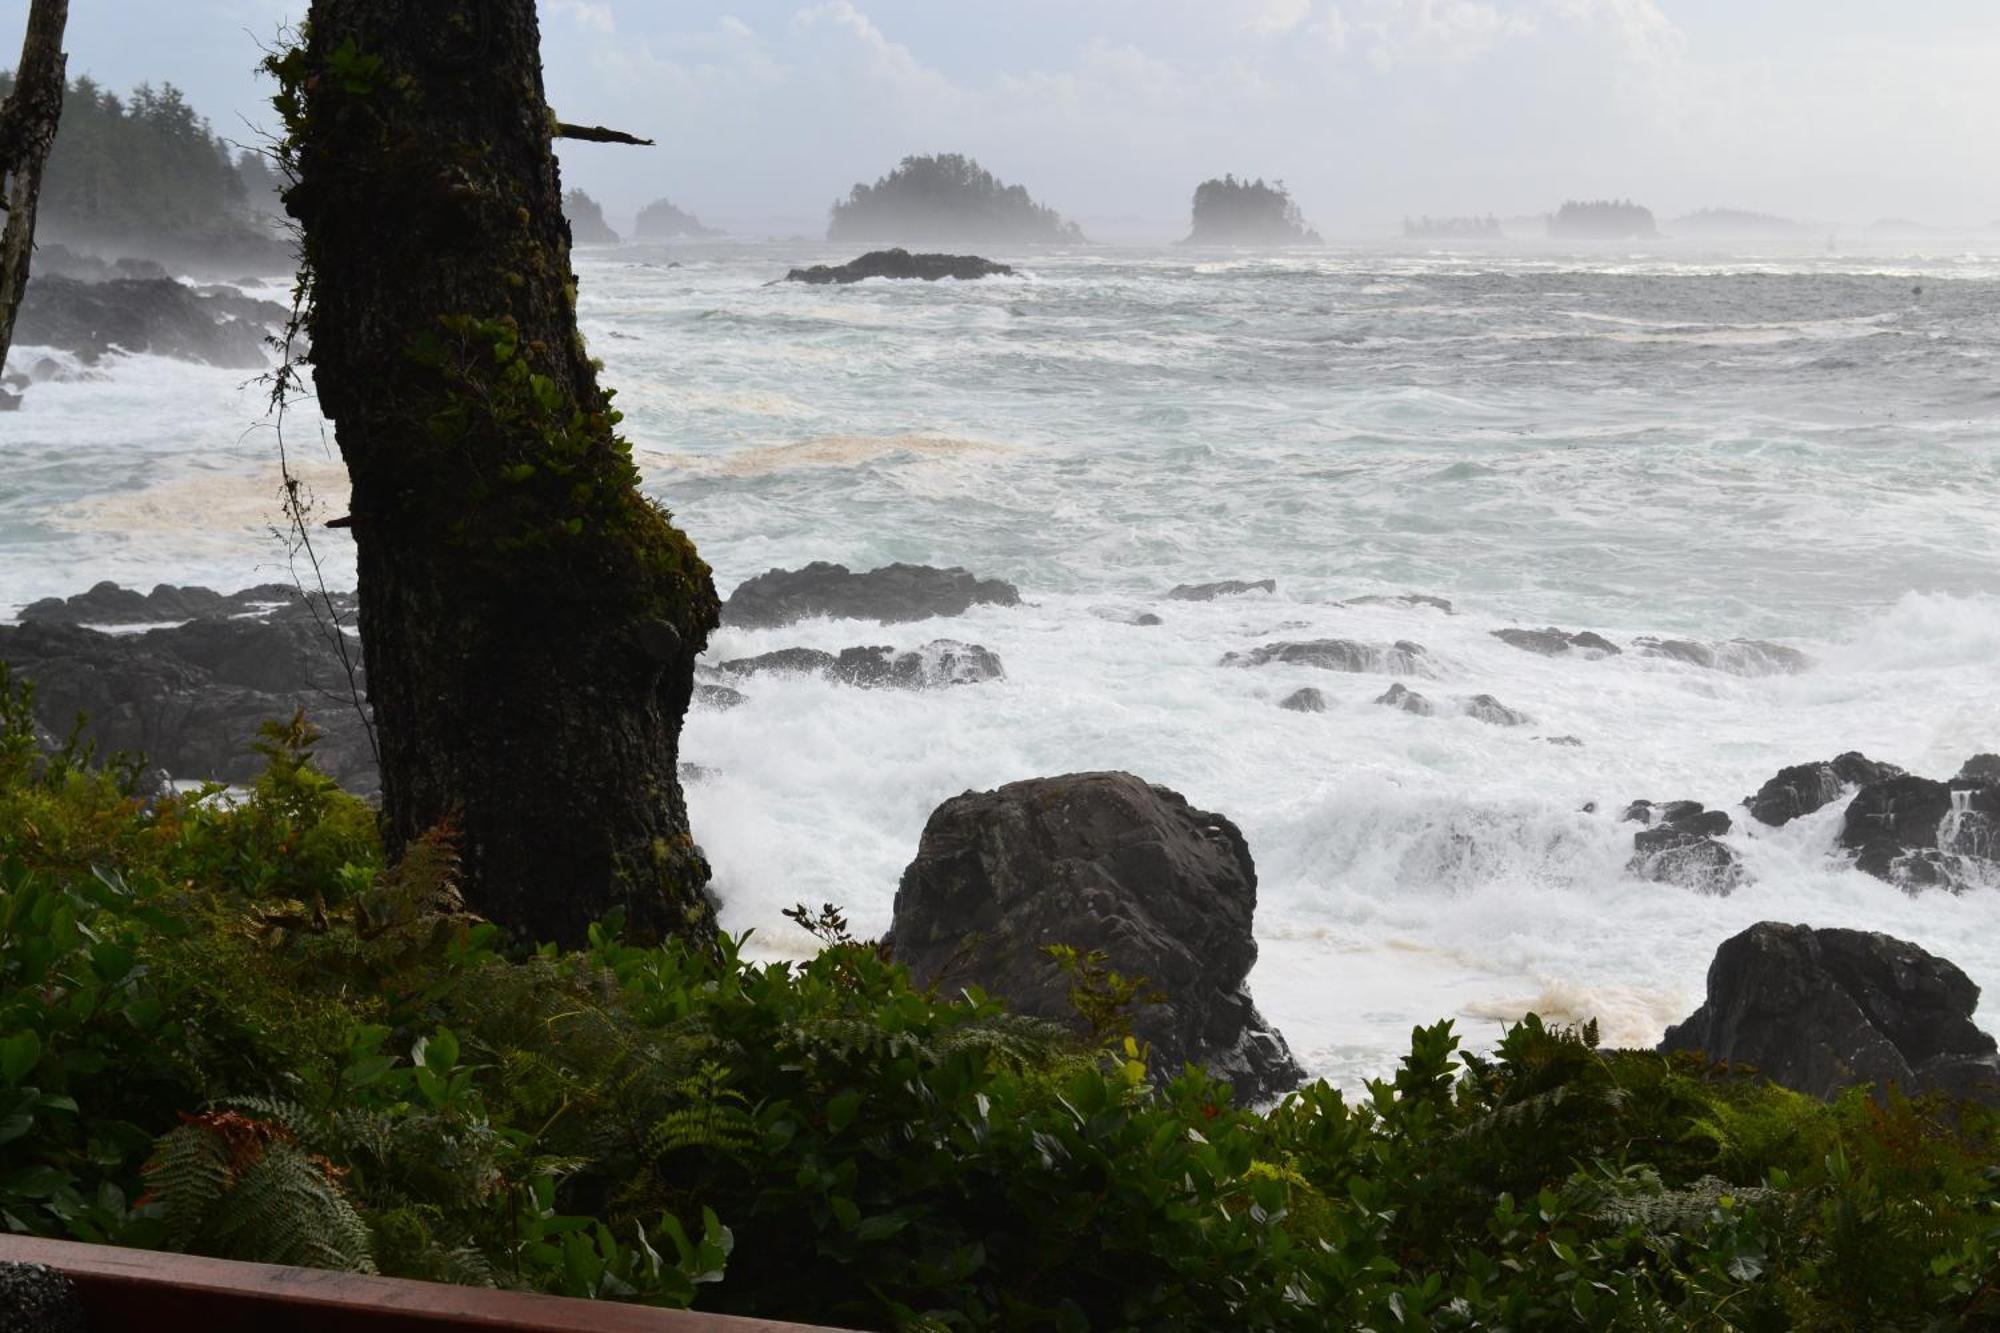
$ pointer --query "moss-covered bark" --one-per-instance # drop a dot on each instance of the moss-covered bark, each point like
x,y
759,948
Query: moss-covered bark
x,y
530,620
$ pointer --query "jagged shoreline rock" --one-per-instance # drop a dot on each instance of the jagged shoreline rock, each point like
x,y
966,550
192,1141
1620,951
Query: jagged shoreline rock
x,y
901,264
891,595
1818,1011
1098,861
1553,642
216,326
1803,788
1402,658
1679,845
1208,592
939,663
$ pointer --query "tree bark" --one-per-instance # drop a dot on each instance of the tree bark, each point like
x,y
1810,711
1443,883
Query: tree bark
x,y
28,122
528,619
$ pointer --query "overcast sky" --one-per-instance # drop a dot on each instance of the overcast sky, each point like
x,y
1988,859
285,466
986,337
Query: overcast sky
x,y
1112,110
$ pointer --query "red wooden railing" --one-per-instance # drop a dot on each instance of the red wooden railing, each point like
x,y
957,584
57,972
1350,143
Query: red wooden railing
x,y
143,1289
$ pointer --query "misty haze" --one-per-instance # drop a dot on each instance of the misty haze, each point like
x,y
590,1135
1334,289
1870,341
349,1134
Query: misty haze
x,y
1288,664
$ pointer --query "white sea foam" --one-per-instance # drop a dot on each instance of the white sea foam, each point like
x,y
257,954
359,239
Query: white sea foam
x,y
1650,446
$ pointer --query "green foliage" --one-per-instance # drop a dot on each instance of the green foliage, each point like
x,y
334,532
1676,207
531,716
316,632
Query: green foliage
x,y
1228,211
224,1028
146,168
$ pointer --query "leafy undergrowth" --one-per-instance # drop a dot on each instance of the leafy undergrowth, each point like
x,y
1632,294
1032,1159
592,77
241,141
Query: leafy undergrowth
x,y
224,1028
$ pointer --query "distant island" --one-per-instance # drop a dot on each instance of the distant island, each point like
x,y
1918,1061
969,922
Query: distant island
x,y
1247,212
144,176
947,197
662,221
1736,222
586,220
1603,220
1440,229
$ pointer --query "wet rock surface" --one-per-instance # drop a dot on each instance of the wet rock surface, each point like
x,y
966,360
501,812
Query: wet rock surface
x,y
938,663
1740,657
1305,700
1401,658
1822,1010
893,594
1208,592
1556,643
217,326
1804,788
1410,599
1918,833
191,697
901,264
1098,861
1679,846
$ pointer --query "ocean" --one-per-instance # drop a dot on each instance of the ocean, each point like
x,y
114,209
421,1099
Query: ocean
x,y
1791,445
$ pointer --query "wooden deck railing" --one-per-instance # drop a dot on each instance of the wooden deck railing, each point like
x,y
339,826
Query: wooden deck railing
x,y
142,1289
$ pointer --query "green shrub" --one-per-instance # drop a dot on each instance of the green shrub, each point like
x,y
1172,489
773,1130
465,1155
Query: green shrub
x,y
224,1027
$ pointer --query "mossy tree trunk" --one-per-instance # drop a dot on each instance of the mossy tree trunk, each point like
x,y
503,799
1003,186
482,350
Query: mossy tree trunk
x,y
529,621
28,120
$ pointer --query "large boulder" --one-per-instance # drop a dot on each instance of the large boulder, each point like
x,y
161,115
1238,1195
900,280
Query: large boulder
x,y
938,663
1098,861
1822,1010
218,326
1401,658
893,594
192,698
1804,788
901,263
1557,643
1919,833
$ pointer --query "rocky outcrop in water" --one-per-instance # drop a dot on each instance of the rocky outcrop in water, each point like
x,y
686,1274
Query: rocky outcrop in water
x,y
1098,861
1679,846
1304,700
893,594
217,326
1804,788
1739,657
1922,834
1410,599
939,663
1482,707
1555,643
1401,658
1208,592
191,698
1822,1010
901,264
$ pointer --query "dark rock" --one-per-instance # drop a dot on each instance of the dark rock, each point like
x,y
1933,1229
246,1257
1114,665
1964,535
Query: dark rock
x,y
1568,741
1488,709
191,699
1921,834
1147,618
1982,770
1822,1010
109,604
1098,861
35,1298
1407,699
1741,657
1555,642
1678,846
1401,658
1804,788
1208,592
1125,615
1306,700
901,264
1412,599
215,326
938,663
890,595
